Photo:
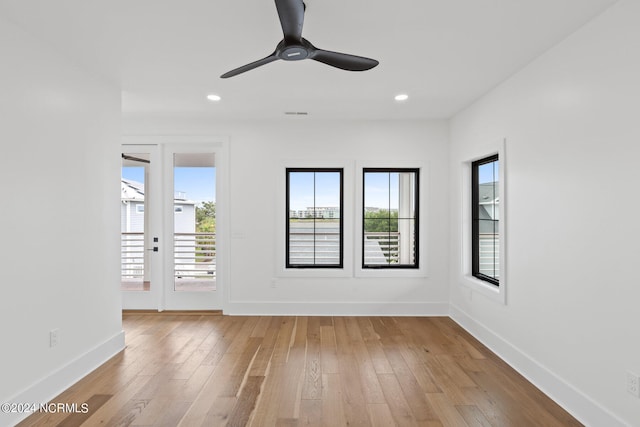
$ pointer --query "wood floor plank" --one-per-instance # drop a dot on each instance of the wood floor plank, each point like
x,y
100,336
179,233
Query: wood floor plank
x,y
120,405
366,329
153,412
398,405
446,412
236,377
413,393
310,413
211,390
244,333
446,383
343,341
265,352
493,410
219,411
371,389
93,403
266,411
201,370
283,340
380,415
247,400
171,414
328,350
312,385
473,416
332,402
290,391
378,357
300,337
191,388
354,403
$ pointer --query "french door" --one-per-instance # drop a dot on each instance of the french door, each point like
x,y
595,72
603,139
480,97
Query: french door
x,y
168,227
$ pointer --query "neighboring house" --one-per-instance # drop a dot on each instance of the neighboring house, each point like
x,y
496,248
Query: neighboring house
x,y
489,203
326,212
132,220
132,209
489,200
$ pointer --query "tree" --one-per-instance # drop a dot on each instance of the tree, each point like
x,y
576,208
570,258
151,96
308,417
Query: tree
x,y
205,223
206,217
381,221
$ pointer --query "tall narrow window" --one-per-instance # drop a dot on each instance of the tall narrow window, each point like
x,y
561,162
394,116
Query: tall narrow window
x,y
314,218
485,219
390,218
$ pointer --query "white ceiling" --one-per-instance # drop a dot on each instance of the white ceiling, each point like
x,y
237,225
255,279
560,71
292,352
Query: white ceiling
x,y
167,55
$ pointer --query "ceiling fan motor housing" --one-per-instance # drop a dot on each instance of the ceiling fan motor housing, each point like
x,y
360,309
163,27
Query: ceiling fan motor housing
x,y
292,52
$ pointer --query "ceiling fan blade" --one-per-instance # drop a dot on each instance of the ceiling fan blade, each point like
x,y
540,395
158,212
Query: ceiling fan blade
x,y
250,66
343,60
291,13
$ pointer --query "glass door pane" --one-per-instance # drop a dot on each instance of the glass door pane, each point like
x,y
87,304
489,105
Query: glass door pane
x,y
194,222
135,274
141,262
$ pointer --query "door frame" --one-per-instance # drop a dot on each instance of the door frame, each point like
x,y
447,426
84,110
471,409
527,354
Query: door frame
x,y
167,299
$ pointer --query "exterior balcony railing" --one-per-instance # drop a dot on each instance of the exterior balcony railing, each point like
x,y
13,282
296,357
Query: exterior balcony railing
x,y
132,255
323,247
194,255
381,247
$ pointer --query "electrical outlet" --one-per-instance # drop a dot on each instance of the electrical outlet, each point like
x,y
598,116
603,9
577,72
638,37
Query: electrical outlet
x,y
633,384
54,337
273,283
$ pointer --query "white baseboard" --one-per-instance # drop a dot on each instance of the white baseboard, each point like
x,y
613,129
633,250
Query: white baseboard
x,y
581,406
57,382
278,308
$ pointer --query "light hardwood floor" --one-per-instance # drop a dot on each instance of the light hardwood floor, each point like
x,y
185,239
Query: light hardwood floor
x,y
208,370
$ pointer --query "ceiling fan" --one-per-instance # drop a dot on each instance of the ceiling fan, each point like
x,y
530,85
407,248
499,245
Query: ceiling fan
x,y
294,47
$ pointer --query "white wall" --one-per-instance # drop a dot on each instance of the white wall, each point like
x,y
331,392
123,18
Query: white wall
x,y
259,152
59,173
570,120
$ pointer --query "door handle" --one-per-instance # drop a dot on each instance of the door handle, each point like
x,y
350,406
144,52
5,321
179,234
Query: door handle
x,y
155,248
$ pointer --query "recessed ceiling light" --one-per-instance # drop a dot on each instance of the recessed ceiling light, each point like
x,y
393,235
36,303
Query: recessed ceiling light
x,y
402,97
213,97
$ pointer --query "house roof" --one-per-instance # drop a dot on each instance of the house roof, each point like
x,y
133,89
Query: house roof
x,y
489,193
134,191
131,190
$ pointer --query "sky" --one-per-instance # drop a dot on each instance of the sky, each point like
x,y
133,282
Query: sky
x,y
489,172
199,183
381,190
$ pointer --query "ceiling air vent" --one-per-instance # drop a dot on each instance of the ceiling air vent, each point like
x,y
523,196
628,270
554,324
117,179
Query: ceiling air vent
x,y
296,113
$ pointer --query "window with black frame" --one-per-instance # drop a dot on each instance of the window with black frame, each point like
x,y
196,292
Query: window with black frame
x,y
314,228
485,213
390,218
